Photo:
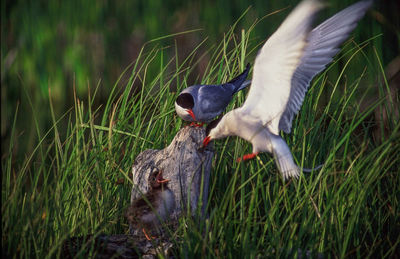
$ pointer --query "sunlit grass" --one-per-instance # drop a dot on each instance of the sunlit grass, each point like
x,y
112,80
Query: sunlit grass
x,y
69,186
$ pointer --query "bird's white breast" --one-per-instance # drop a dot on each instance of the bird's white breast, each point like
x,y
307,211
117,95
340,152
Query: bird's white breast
x,y
250,129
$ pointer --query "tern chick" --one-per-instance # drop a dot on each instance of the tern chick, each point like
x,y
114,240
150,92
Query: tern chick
x,y
149,211
283,69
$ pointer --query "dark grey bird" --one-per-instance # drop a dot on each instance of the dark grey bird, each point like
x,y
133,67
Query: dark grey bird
x,y
282,73
202,103
149,211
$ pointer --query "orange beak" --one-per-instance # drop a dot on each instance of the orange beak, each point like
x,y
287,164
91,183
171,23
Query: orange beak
x,y
160,179
191,114
206,141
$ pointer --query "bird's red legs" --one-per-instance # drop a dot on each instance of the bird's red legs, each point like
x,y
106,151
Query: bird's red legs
x,y
160,178
247,157
147,236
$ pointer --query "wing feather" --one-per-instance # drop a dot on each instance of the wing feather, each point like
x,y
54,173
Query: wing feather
x,y
322,45
275,65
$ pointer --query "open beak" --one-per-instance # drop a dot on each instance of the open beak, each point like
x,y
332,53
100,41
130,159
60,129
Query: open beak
x,y
160,179
191,114
206,141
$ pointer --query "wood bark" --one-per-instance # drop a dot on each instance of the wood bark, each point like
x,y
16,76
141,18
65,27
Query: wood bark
x,y
184,163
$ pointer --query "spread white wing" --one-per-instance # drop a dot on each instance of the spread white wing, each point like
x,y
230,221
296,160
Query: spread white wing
x,y
291,57
322,45
275,65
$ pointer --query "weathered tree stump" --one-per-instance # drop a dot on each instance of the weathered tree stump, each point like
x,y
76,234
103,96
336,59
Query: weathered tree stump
x,y
185,165
188,170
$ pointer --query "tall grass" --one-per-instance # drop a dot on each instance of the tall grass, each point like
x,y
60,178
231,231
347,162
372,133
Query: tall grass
x,y
71,184
62,43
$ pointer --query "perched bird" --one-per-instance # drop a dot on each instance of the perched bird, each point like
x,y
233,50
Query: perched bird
x,y
202,103
148,211
283,69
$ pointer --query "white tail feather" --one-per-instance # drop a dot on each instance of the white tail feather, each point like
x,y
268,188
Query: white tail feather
x,y
308,170
284,158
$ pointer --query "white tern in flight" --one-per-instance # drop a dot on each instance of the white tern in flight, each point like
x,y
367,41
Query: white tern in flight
x,y
282,72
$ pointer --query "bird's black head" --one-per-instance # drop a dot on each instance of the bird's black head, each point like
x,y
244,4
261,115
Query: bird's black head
x,y
153,179
185,100
212,125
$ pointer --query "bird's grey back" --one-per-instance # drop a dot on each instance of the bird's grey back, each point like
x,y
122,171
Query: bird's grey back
x,y
213,99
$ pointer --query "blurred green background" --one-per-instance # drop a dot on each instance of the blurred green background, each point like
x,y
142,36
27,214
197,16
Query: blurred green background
x,y
59,45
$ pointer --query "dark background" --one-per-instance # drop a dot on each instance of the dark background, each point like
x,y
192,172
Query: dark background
x,y
57,45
